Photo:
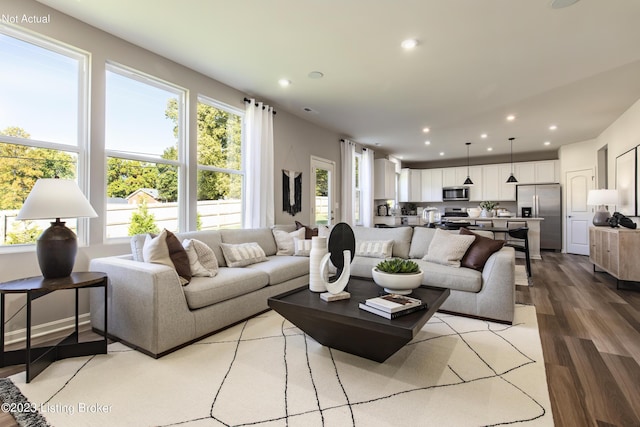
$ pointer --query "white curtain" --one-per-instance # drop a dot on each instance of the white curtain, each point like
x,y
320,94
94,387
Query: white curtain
x,y
366,191
348,150
259,187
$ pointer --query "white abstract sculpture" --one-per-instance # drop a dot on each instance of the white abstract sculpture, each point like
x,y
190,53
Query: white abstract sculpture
x,y
338,285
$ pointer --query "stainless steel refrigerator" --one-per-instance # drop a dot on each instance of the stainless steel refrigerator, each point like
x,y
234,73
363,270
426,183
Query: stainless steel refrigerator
x,y
543,201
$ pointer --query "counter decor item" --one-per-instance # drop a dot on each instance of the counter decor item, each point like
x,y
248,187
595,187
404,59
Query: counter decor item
x,y
487,209
397,275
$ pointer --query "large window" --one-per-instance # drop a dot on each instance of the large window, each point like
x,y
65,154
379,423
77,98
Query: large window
x,y
220,166
43,129
357,198
144,144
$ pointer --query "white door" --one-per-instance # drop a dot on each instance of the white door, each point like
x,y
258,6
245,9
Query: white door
x,y
579,214
322,191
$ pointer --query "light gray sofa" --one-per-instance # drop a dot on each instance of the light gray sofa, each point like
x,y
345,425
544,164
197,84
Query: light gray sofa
x,y
152,312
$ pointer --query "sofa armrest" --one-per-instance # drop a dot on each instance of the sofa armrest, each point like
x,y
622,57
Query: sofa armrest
x,y
498,292
146,304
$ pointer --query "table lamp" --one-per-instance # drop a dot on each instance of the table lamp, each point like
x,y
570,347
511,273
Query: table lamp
x,y
57,246
602,199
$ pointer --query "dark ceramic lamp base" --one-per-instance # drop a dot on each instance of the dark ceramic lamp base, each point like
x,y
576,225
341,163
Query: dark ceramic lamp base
x,y
600,218
57,247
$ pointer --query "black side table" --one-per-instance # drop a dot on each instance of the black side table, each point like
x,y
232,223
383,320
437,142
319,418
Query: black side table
x,y
38,358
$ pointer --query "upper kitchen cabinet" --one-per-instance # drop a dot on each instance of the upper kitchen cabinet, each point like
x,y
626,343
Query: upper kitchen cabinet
x,y
431,185
384,183
475,190
494,185
454,177
541,172
410,185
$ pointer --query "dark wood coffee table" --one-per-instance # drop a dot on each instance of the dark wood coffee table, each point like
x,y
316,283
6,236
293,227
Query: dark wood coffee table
x,y
344,326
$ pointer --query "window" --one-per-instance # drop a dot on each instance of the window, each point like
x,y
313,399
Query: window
x,y
144,148
322,173
43,110
357,199
220,166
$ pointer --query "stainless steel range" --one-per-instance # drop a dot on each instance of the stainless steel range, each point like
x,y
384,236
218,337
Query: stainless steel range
x,y
455,212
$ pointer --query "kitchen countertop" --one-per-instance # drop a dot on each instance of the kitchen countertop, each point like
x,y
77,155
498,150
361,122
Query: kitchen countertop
x,y
493,218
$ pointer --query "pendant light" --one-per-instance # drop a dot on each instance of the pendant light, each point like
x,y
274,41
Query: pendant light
x,y
512,179
468,180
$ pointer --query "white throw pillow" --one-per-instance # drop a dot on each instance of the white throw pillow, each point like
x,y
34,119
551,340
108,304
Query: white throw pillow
x,y
155,250
302,247
202,260
284,240
242,254
447,248
374,248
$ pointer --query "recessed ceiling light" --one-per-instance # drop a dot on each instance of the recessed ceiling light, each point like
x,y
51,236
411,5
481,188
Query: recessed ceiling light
x,y
425,130
442,153
547,143
284,82
511,117
489,148
316,75
427,143
309,110
483,136
409,44
553,127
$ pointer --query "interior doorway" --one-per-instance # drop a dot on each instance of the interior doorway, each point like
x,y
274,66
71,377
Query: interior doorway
x,y
322,191
579,214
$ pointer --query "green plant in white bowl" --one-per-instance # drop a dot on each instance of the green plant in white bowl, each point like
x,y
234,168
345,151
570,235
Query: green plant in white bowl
x,y
488,205
397,275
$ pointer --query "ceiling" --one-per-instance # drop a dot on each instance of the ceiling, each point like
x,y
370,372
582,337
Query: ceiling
x,y
577,67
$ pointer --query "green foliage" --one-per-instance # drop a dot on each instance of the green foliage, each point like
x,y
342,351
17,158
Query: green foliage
x,y
23,232
142,221
398,266
21,166
488,205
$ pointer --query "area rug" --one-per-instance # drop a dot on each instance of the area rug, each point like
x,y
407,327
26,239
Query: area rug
x,y
521,276
266,372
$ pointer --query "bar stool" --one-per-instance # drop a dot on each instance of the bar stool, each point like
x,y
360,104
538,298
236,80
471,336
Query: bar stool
x,y
521,233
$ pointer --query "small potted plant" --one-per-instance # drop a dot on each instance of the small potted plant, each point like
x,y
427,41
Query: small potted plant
x,y
397,275
487,208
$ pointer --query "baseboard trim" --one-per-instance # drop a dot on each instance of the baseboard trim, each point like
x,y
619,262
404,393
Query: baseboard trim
x,y
45,329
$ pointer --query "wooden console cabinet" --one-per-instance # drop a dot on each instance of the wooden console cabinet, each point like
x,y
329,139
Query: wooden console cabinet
x,y
615,251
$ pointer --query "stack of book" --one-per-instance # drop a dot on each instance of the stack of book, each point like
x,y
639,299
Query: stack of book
x,y
392,305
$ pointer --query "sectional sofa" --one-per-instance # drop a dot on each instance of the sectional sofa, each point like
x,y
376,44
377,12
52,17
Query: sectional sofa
x,y
151,311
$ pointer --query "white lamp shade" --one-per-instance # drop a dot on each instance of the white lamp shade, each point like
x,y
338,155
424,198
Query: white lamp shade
x,y
602,197
56,198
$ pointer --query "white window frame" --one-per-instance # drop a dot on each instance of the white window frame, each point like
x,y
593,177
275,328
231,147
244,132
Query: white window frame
x,y
357,187
80,148
182,95
202,99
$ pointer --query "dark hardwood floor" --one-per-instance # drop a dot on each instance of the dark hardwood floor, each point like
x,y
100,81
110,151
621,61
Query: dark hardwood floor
x,y
590,335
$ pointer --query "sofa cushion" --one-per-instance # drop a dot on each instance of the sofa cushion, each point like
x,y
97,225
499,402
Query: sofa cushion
x,y
179,258
202,260
479,251
156,250
420,242
374,248
447,248
282,268
302,247
401,237
242,254
228,283
458,279
285,242
361,266
261,236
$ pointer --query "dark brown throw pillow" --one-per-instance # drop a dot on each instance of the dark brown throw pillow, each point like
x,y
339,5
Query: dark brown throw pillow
x,y
479,251
179,258
308,231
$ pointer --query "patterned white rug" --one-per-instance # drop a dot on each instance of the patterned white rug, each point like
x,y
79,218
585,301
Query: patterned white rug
x,y
266,372
521,276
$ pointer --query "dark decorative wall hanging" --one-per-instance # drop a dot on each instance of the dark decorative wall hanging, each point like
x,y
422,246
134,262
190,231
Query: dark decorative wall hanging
x,y
291,191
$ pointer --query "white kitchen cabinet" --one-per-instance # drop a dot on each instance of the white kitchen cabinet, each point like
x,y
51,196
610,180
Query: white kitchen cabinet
x,y
475,190
384,182
454,177
494,185
410,185
540,172
431,185
525,172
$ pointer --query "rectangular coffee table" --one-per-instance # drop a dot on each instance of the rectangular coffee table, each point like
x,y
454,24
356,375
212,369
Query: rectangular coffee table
x,y
344,326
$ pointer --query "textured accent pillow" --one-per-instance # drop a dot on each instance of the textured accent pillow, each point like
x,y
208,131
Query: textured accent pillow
x,y
302,247
155,250
479,251
179,258
308,231
374,248
447,248
202,260
284,240
242,254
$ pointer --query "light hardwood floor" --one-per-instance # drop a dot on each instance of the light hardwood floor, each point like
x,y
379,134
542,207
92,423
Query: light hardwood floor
x,y
590,335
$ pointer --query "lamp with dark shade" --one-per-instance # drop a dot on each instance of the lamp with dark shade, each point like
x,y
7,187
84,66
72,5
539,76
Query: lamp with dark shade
x,y
57,246
602,198
512,179
468,180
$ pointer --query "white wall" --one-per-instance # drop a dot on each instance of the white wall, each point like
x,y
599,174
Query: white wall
x,y
304,138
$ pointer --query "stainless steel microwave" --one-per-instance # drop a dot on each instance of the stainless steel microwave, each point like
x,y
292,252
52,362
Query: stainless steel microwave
x,y
455,193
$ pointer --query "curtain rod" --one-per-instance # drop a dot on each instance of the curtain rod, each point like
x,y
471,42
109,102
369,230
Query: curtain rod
x,y
248,100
